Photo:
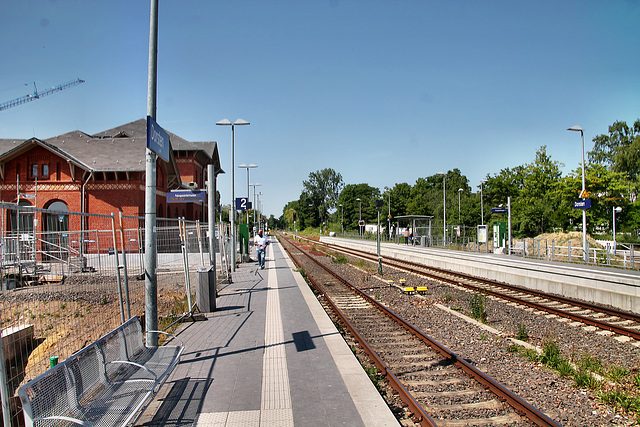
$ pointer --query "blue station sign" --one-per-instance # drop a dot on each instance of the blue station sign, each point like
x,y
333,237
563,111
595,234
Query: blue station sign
x,y
582,204
186,196
499,210
157,139
242,204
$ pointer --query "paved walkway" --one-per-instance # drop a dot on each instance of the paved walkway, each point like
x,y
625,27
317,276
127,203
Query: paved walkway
x,y
268,356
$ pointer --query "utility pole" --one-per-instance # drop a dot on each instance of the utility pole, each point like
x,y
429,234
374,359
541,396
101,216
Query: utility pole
x,y
150,258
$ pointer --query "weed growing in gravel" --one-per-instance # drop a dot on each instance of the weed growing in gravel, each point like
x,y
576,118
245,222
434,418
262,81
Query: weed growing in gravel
x,y
590,363
550,355
616,373
620,398
514,348
375,378
478,303
636,380
582,378
523,335
565,369
447,297
340,259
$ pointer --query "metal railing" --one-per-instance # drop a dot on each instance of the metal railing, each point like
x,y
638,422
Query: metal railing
x,y
69,278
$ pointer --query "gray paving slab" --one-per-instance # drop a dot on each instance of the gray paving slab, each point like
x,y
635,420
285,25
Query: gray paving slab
x,y
268,356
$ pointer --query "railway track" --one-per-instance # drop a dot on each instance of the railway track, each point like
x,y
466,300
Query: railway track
x,y
619,322
438,387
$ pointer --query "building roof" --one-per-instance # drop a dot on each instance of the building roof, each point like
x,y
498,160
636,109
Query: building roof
x,y
121,149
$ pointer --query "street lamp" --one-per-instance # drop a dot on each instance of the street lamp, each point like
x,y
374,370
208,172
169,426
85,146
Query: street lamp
x,y
255,207
342,219
617,209
247,167
232,212
583,195
444,208
460,190
360,216
482,203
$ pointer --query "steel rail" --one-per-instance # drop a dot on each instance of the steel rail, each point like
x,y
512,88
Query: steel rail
x,y
394,382
420,269
516,402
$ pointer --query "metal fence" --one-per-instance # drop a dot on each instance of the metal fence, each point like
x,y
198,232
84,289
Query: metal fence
x,y
622,255
69,278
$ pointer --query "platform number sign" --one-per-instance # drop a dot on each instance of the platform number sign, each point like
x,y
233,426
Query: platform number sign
x,y
242,204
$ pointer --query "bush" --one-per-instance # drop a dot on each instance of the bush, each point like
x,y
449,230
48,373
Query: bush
x,y
478,303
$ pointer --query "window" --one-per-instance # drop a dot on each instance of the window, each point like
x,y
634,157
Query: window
x,y
45,171
34,171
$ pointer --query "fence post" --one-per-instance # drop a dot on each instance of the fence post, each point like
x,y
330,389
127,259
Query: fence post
x,y
569,250
4,389
185,256
124,267
115,252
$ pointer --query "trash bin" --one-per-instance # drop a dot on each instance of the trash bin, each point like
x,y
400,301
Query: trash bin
x,y
206,292
423,241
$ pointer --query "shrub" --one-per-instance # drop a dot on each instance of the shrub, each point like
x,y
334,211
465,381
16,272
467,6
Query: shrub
x,y
478,304
523,335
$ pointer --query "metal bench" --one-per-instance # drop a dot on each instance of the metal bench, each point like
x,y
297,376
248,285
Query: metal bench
x,y
106,383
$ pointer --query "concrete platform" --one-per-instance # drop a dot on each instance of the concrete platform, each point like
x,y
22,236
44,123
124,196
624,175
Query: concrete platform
x,y
268,356
602,285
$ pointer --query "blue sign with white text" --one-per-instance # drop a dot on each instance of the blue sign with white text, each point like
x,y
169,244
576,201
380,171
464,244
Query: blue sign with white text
x,y
242,203
582,204
185,196
157,139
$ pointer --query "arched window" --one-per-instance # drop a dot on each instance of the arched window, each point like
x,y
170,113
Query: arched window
x,y
56,232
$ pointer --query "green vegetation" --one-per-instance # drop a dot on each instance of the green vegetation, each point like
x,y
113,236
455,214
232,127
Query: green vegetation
x,y
621,389
522,335
478,304
340,259
541,196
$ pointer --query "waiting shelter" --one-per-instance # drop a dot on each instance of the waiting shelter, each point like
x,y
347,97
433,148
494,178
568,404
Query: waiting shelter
x,y
420,225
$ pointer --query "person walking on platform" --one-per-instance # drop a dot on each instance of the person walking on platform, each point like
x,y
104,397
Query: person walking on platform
x,y
260,242
406,236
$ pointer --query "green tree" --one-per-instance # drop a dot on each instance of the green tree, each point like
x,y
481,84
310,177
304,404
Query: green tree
x,y
400,198
619,150
539,197
348,199
322,189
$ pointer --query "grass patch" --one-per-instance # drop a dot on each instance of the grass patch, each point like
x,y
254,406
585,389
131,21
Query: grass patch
x,y
522,335
478,304
340,259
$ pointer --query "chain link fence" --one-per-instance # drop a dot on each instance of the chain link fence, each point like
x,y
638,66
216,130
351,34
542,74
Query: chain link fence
x,y
68,278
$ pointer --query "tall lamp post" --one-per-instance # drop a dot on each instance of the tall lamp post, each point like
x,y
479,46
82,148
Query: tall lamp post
x,y
359,216
254,207
232,212
583,195
618,210
482,203
247,167
341,219
444,208
378,204
460,190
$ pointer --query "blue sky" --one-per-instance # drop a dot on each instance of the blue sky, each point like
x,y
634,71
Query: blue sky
x,y
382,91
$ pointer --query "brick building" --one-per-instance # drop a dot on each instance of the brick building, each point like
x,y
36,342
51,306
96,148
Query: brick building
x,y
101,173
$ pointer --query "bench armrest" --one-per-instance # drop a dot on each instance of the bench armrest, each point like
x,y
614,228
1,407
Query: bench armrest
x,y
126,362
69,419
171,335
